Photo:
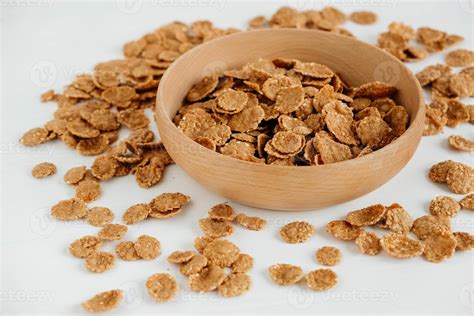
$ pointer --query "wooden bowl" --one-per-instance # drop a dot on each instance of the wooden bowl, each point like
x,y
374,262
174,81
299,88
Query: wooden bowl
x,y
289,187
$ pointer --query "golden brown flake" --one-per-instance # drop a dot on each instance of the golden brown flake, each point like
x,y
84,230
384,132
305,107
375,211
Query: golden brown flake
x,y
464,241
93,146
285,274
133,119
85,246
296,232
200,243
99,261
194,265
250,222
460,58
285,145
330,150
88,190
243,264
328,256
168,205
70,209
99,216
180,256
435,120
461,143
342,230
221,252
234,284
147,247
444,206
104,167
35,136
375,90
439,171
248,119
222,211
396,218
366,216
162,286
468,202
125,250
112,232
216,228
219,134
75,175
321,279
374,131
439,246
208,279
43,170
460,179
428,224
368,243
363,17
136,213
339,121
289,99
231,102
202,89
103,302
401,246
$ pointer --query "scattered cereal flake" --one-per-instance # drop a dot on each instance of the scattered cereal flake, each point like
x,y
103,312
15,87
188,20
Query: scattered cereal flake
x,y
70,209
104,167
257,21
396,218
136,213
289,99
439,246
99,261
296,232
99,216
251,222
368,243
88,190
343,230
460,179
112,232
243,264
285,274
456,113
321,279
222,211
366,216
460,58
121,96
208,279
202,89
431,73
328,256
35,136
464,241
82,129
85,246
133,118
468,202
461,143
435,120
104,120
103,302
373,131
48,96
221,252
401,246
216,228
149,174
330,150
180,256
363,17
147,247
234,284
231,102
93,146
75,175
200,243
439,171
43,170
444,206
162,286
194,265
428,224
168,205
125,250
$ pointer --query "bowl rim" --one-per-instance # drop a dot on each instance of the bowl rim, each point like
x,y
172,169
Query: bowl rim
x,y
159,109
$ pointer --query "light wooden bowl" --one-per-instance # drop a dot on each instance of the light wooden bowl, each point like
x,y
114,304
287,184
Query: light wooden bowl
x,y
282,187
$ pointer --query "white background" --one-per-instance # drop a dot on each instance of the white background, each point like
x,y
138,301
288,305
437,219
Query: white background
x,y
59,40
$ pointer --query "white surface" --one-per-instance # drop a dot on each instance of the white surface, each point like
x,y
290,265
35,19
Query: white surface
x,y
44,44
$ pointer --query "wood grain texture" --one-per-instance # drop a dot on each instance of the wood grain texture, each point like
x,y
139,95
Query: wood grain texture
x,y
283,187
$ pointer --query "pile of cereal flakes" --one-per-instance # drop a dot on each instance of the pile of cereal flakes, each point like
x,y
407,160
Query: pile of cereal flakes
x,y
316,119
289,112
